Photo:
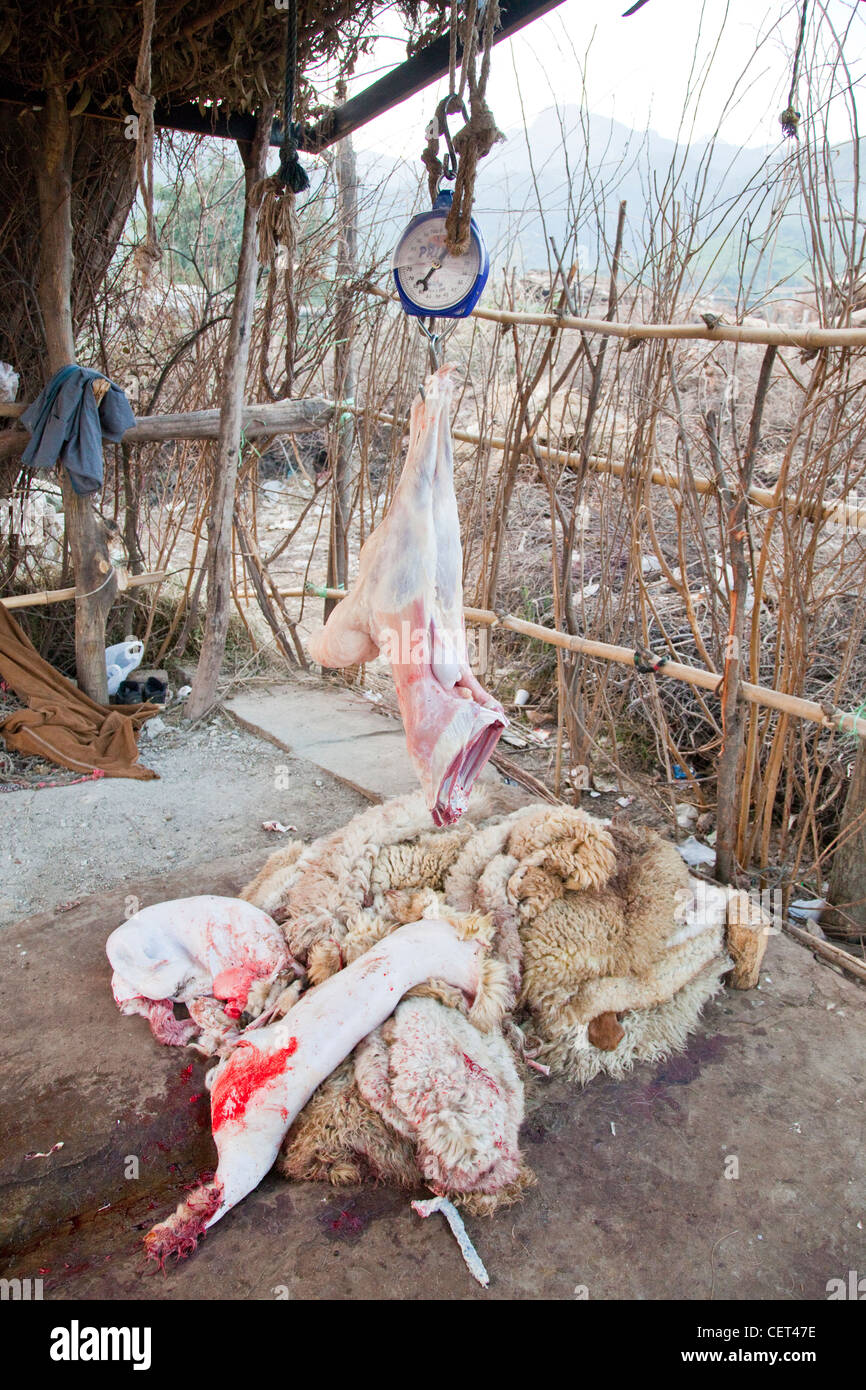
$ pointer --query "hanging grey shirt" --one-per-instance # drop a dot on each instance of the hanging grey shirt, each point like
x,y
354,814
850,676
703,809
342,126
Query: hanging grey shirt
x,y
67,424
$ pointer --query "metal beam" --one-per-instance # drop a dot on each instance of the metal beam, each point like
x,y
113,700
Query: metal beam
x,y
413,76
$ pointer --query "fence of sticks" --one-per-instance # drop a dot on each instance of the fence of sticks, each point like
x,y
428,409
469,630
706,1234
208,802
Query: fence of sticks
x,y
663,566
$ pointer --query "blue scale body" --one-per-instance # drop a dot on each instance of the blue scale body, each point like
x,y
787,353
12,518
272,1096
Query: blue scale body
x,y
464,307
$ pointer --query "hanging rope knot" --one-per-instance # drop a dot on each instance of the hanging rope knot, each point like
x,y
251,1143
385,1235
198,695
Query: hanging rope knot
x,y
473,142
790,117
480,132
291,173
147,254
790,121
143,103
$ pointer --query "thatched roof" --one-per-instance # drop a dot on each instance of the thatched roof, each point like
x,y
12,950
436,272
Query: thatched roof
x,y
220,51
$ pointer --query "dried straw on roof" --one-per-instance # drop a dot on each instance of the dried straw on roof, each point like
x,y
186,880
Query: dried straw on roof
x,y
220,51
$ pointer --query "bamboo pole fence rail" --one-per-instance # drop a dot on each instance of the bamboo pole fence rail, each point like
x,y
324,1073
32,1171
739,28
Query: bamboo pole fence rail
x,y
838,512
830,717
45,596
766,335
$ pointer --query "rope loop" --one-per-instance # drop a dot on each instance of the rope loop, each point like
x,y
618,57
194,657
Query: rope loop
x,y
147,253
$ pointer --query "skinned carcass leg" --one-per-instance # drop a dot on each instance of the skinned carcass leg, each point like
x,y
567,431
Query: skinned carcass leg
x,y
407,605
264,1084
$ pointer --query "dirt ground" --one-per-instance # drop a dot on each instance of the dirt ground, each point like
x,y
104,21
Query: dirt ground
x,y
731,1171
217,784
636,1197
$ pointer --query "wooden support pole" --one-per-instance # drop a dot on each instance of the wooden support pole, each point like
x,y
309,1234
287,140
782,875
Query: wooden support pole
x,y
343,432
847,893
225,473
257,422
95,580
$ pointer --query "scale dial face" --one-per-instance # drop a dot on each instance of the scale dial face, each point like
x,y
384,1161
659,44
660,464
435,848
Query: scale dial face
x,y
429,276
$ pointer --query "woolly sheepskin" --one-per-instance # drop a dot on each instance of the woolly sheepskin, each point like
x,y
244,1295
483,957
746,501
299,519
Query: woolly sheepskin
x,y
602,953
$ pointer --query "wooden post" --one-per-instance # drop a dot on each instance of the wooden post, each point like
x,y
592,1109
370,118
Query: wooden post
x,y
225,473
735,502
343,437
95,581
848,876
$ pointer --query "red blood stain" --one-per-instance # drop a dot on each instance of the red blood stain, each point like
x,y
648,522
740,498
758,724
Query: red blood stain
x,y
197,1096
250,1070
186,1073
347,1224
476,1070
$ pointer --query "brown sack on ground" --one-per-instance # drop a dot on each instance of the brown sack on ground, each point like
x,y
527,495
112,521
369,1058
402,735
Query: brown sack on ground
x,y
61,723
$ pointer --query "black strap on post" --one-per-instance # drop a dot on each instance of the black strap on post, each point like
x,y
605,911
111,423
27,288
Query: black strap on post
x,y
291,173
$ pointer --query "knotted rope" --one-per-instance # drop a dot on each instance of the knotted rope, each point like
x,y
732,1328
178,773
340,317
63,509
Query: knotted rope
x,y
790,117
291,174
480,133
147,253
277,193
277,224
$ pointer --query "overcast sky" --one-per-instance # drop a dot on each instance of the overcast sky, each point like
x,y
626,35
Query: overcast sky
x,y
636,69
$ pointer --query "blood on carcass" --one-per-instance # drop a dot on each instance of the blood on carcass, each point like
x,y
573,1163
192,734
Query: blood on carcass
x,y
247,1075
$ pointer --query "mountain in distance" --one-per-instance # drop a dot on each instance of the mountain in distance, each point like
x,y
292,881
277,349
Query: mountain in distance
x,y
567,161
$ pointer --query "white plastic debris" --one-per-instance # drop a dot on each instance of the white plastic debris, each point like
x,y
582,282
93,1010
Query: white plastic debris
x,y
467,1249
687,816
522,697
154,727
277,827
605,784
694,853
807,909
184,692
8,382
120,660
48,1152
513,740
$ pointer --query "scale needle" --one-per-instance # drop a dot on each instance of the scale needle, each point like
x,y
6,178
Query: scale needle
x,y
422,284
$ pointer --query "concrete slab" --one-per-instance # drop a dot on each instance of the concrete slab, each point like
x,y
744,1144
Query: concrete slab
x,y
334,728
638,1195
